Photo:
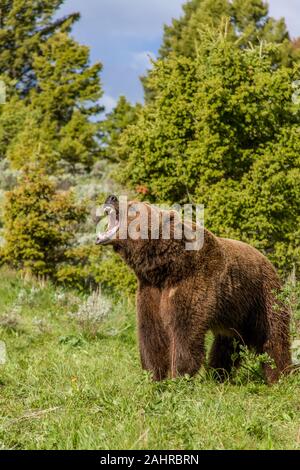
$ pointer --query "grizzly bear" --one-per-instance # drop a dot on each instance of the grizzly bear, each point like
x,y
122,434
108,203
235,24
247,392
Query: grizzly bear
x,y
226,287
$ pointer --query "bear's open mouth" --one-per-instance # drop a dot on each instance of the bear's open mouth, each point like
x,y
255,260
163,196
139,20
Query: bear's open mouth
x,y
108,226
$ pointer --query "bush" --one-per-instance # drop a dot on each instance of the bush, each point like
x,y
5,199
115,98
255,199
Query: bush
x,y
91,313
91,266
39,224
41,228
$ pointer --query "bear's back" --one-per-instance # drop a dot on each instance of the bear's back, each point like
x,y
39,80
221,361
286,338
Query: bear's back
x,y
246,269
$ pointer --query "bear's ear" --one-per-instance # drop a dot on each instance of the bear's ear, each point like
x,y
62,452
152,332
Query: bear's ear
x,y
175,224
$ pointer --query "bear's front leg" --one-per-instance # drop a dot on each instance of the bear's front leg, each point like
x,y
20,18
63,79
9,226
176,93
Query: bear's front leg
x,y
153,340
187,353
187,330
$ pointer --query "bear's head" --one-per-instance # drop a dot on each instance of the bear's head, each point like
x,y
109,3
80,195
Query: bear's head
x,y
146,236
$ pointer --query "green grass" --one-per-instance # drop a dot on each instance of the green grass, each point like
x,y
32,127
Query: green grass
x,y
64,389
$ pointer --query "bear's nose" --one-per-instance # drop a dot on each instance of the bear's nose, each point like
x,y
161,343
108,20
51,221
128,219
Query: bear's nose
x,y
112,200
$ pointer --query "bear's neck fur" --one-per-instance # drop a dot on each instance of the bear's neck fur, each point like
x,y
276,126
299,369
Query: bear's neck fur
x,y
161,262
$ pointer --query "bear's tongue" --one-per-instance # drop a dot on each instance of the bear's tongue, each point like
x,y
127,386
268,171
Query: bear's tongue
x,y
103,225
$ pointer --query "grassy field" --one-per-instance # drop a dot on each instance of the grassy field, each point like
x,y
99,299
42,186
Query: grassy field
x,y
68,385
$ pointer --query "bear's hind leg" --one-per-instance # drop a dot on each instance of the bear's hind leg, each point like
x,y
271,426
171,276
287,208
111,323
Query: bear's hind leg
x,y
277,341
273,371
277,346
224,356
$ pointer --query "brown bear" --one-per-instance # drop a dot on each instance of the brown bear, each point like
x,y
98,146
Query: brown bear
x,y
226,286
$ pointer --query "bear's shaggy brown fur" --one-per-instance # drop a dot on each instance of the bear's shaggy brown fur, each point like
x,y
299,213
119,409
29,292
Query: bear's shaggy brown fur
x,y
226,287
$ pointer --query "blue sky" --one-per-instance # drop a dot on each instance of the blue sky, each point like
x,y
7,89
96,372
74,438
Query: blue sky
x,y
122,34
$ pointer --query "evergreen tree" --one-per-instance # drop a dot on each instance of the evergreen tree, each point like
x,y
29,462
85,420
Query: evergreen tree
x,y
39,224
122,116
25,25
12,116
50,117
249,22
173,34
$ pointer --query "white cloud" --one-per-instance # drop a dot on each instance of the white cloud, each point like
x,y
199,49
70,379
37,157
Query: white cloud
x,y
108,102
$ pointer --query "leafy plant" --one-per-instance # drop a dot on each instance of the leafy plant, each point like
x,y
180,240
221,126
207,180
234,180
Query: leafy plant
x,y
92,312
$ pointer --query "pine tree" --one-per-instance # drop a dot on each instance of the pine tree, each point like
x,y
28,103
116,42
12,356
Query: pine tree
x,y
56,90
39,224
122,116
24,27
173,34
249,22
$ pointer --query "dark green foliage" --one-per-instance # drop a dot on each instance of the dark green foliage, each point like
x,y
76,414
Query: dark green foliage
x,y
122,116
40,230
90,266
223,130
24,27
12,116
249,21
220,128
39,224
53,91
264,206
114,275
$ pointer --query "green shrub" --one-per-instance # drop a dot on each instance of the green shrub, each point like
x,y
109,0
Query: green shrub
x,y
114,275
41,228
90,266
39,224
